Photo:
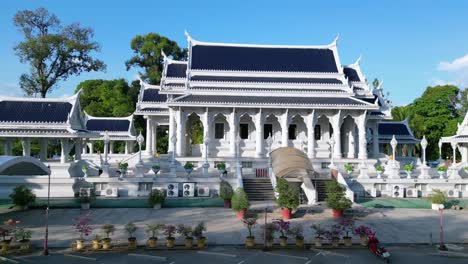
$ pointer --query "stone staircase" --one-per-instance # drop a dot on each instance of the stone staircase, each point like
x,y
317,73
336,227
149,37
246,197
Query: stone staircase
x,y
258,189
319,185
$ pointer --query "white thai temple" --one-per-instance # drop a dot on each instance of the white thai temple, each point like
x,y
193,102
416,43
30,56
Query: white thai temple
x,y
250,100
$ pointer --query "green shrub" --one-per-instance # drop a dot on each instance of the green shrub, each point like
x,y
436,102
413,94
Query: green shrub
x,y
108,229
131,228
22,196
221,166
288,197
438,197
348,167
188,166
225,190
442,168
336,196
23,234
123,166
380,168
153,229
156,197
156,167
240,200
408,167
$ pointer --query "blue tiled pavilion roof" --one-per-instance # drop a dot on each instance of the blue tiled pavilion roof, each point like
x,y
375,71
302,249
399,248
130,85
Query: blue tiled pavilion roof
x,y
177,70
393,129
152,95
266,79
274,59
108,125
42,112
351,74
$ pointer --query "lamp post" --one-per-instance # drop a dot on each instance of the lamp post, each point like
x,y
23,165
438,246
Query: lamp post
x,y
424,146
269,142
394,144
332,144
140,140
442,245
46,239
440,150
106,146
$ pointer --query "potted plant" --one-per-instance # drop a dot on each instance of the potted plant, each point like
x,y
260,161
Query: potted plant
x,y
24,237
436,198
169,231
319,234
85,170
250,239
6,231
283,228
408,168
221,168
336,199
363,231
288,198
123,167
441,170
298,232
22,197
131,228
349,169
85,201
83,226
107,229
347,225
465,169
379,169
96,242
198,234
226,193
188,168
153,229
155,169
240,203
334,235
156,198
186,232
269,234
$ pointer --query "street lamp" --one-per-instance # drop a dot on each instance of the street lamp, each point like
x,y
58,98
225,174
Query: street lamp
x,y
106,146
46,239
394,144
424,146
442,245
332,145
140,140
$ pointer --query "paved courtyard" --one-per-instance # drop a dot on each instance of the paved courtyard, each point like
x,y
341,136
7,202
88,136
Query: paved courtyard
x,y
392,225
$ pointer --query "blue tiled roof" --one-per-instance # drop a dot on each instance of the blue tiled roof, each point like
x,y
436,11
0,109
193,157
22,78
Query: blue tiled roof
x,y
108,125
243,58
177,70
369,100
152,95
223,99
23,111
285,90
266,79
351,74
393,129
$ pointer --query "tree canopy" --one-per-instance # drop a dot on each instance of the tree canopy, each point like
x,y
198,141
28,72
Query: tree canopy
x,y
147,55
54,52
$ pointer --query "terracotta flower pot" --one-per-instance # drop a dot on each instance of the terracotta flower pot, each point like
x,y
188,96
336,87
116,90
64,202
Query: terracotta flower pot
x,y
152,242
79,244
201,242
227,203
318,241
347,241
241,214
299,242
132,243
363,240
283,241
188,242
170,242
249,242
95,244
286,212
106,243
335,242
337,213
25,245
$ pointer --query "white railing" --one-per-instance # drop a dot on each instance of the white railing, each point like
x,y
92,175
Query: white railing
x,y
341,180
309,190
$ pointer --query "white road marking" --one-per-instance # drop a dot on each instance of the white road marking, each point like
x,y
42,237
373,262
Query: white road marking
x,y
241,262
284,255
217,254
148,256
80,257
8,260
308,262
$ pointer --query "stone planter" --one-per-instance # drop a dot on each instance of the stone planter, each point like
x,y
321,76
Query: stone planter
x,y
132,243
25,245
435,207
318,241
96,244
157,206
363,240
249,242
80,244
201,242
441,174
379,174
188,242
189,171
335,242
299,242
170,242
85,206
347,241
106,243
152,242
408,174
283,241
155,171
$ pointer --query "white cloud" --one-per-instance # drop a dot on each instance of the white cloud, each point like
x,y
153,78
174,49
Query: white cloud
x,y
454,66
457,71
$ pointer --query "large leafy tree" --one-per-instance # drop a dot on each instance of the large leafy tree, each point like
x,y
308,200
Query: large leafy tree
x,y
147,55
54,52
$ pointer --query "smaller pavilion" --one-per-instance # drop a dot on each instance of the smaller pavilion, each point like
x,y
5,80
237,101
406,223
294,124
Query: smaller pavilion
x,y
458,141
403,134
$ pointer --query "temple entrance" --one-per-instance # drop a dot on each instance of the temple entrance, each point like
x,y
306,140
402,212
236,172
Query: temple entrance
x,y
193,136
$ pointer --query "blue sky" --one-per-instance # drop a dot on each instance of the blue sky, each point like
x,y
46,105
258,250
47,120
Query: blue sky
x,y
408,44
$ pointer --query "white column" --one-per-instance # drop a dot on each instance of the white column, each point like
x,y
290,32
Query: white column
x,y
154,137
361,123
85,148
259,134
310,124
149,140
351,143
179,133
26,144
375,140
335,121
206,133
464,153
171,130
91,147
111,147
127,148
284,129
64,150
232,132
43,148
78,148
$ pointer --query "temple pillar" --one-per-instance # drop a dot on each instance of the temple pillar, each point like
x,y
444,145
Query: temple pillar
x,y
64,150
43,149
361,124
154,137
464,153
26,144
310,124
335,121
111,147
351,143
375,140
284,129
149,134
259,140
179,133
232,132
78,148
170,148
206,134
127,148
91,147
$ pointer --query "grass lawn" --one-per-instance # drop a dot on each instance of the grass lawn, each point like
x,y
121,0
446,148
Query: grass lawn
x,y
406,203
